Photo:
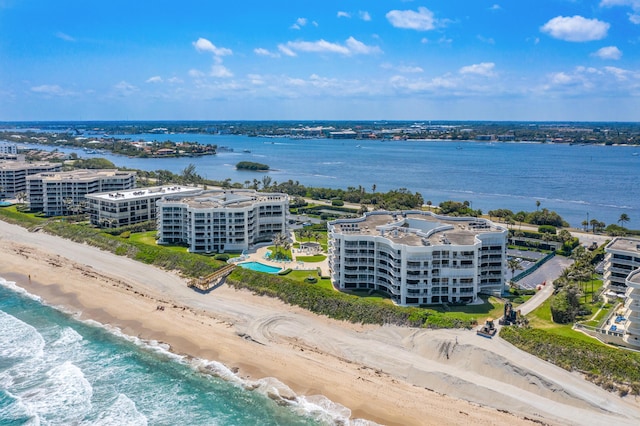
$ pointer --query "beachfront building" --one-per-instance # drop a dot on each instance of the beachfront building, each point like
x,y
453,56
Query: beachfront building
x,y
622,281
59,193
8,151
121,208
13,175
622,256
218,221
418,258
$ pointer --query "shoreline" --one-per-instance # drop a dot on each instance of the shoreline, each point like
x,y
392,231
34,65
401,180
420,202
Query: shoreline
x,y
385,374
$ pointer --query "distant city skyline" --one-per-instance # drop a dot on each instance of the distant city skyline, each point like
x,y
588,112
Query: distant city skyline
x,y
549,60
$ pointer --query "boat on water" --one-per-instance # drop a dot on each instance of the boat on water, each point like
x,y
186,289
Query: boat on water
x,y
246,151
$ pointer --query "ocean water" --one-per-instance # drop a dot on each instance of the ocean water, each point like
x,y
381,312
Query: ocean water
x,y
579,182
57,370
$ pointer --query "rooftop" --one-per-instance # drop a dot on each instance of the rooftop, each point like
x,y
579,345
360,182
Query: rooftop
x,y
417,228
131,194
21,165
81,175
229,198
625,244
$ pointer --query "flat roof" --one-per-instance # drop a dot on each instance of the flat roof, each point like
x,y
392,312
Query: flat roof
x,y
410,228
132,194
23,165
625,244
229,198
81,175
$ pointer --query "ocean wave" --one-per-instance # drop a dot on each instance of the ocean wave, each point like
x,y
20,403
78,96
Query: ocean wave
x,y
11,285
65,396
122,412
18,340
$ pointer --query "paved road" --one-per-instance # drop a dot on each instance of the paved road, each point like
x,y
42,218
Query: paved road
x,y
546,273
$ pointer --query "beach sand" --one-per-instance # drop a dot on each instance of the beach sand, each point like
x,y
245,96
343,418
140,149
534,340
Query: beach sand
x,y
389,375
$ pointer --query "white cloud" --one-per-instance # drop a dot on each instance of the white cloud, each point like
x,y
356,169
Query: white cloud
x,y
196,73
422,20
175,80
484,69
125,89
351,47
286,50
495,7
154,79
576,28
317,46
359,48
300,22
488,40
342,14
634,4
264,52
204,45
50,90
364,15
634,18
609,52
220,71
65,37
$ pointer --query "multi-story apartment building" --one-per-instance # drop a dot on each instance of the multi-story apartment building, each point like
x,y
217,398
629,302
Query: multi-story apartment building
x,y
57,193
13,175
418,257
217,221
622,280
121,208
622,257
8,150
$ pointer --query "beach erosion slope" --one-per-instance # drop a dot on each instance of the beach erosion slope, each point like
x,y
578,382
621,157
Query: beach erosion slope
x,y
385,374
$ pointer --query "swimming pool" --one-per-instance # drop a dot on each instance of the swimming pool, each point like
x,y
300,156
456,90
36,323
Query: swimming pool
x,y
260,267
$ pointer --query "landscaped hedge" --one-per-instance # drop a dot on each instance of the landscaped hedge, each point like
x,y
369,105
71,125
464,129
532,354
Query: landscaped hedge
x,y
611,368
189,264
338,305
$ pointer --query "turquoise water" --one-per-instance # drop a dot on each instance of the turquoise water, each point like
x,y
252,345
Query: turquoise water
x,y
56,370
260,267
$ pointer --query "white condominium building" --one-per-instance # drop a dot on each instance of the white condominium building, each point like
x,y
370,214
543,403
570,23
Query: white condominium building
x,y
418,258
622,279
122,208
57,194
13,175
622,257
217,221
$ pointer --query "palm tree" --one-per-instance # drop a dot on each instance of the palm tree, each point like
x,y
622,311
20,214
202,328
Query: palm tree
x,y
520,218
624,218
537,204
513,265
585,225
594,224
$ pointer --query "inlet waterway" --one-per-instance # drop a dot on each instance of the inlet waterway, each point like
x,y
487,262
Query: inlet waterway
x,y
580,182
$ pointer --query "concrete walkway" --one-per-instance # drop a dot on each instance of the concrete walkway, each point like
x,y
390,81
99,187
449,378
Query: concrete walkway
x,y
258,254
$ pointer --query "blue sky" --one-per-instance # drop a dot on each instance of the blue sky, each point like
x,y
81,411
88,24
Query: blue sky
x,y
304,60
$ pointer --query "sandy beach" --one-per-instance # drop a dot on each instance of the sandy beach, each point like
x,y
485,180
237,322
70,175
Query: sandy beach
x,y
388,375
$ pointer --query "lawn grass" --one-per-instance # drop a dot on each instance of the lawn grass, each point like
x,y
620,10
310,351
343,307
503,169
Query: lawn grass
x,y
541,319
311,259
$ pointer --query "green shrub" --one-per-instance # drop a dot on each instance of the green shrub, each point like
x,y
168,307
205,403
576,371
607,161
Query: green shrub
x,y
285,272
337,202
311,279
223,257
547,229
125,234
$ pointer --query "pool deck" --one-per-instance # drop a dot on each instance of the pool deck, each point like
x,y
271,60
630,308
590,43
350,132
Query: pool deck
x,y
258,255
